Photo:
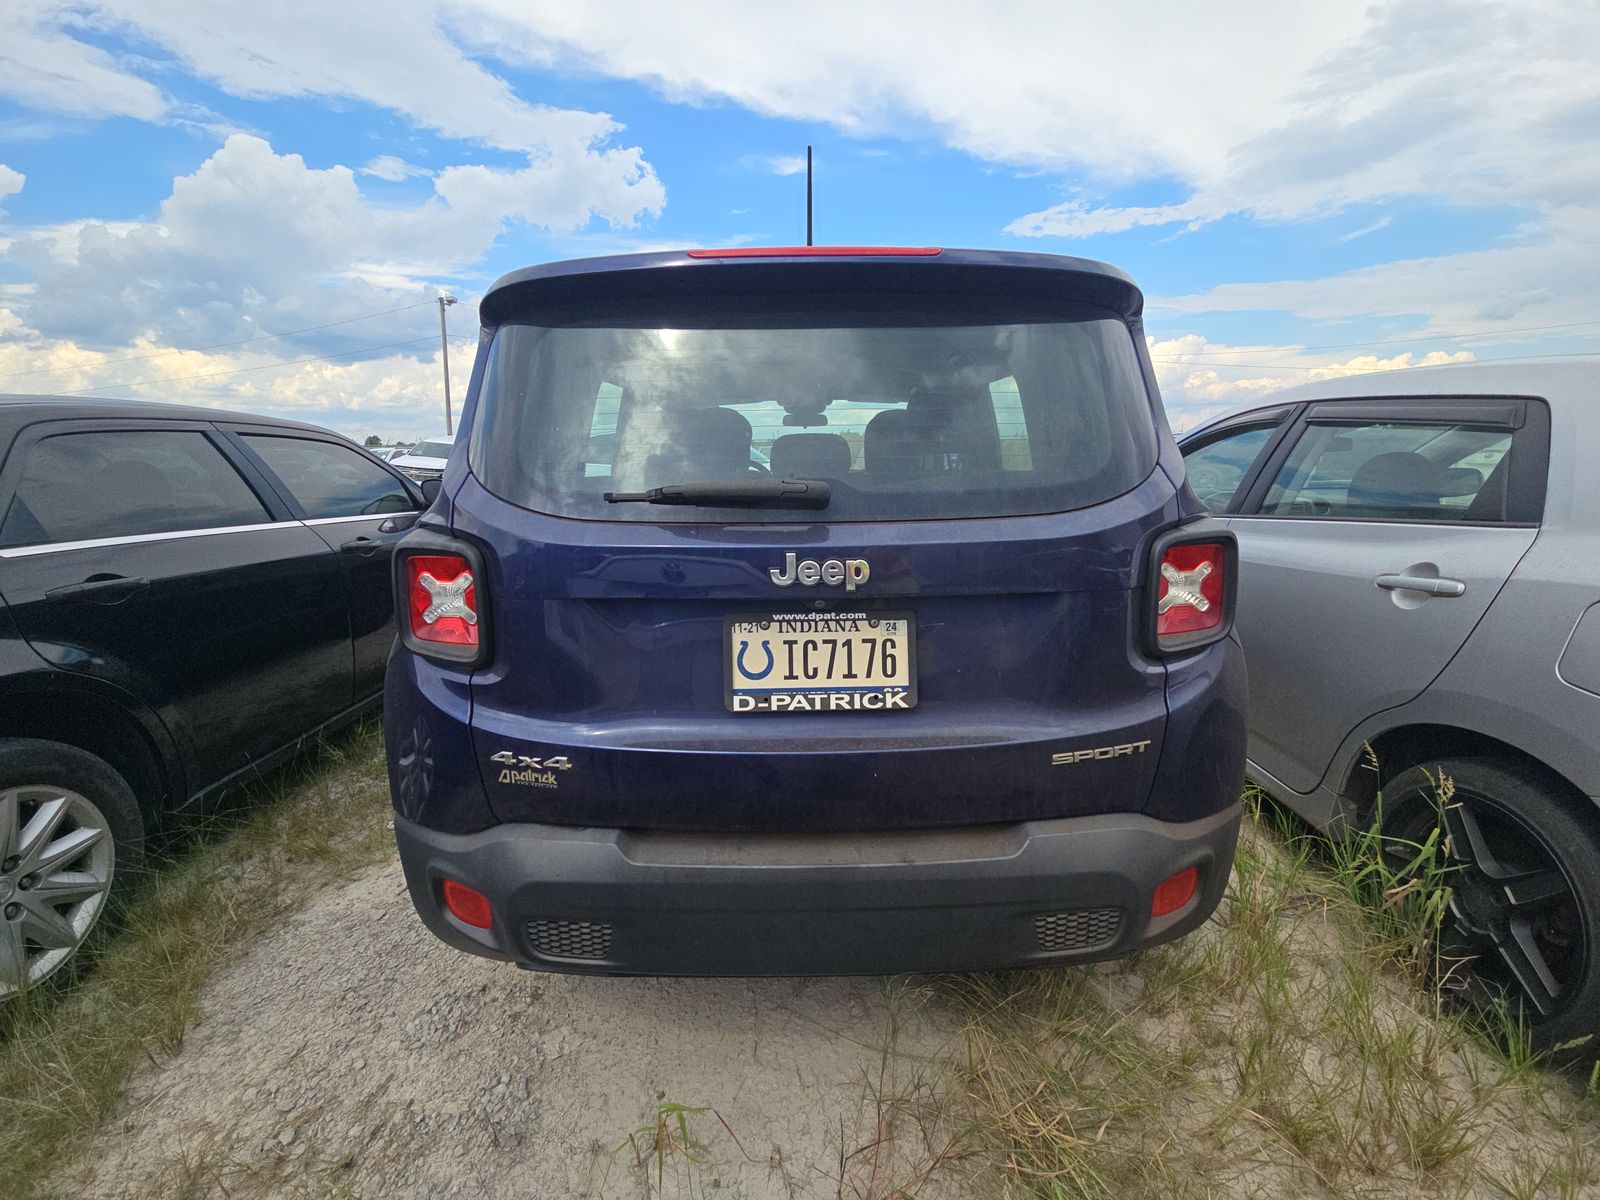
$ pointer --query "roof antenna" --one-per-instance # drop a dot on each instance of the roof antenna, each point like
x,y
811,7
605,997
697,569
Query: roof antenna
x,y
808,195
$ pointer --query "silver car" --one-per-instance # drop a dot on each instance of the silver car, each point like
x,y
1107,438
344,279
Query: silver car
x,y
1420,574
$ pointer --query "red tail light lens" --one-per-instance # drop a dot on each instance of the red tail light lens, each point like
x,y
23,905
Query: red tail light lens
x,y
1174,892
442,600
1193,584
468,905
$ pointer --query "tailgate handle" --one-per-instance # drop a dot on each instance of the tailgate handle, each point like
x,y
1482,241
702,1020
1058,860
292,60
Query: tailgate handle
x,y
100,589
1421,583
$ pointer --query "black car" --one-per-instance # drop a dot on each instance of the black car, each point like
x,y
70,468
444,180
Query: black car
x,y
185,596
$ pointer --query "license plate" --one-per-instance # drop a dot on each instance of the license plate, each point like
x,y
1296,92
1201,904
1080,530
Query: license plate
x,y
821,662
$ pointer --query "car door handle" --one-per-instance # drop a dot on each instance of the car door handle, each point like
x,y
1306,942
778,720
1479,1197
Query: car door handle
x,y
100,589
364,546
1421,583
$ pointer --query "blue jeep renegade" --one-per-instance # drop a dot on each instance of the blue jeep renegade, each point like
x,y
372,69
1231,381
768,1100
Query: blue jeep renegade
x,y
814,610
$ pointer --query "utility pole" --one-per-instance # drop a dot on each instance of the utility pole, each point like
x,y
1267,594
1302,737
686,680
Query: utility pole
x,y
808,195
445,301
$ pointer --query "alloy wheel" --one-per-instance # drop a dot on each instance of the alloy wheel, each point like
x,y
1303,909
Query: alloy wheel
x,y
57,858
1514,927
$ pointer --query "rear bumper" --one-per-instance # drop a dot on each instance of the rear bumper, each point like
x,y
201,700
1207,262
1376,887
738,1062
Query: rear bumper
x,y
607,901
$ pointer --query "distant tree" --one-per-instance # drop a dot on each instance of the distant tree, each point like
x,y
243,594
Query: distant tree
x,y
373,440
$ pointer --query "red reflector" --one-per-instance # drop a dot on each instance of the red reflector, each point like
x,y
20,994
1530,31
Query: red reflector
x,y
442,599
1171,893
820,252
1190,599
470,906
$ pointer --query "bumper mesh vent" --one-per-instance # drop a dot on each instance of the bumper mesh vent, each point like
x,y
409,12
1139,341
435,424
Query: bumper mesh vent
x,y
570,939
1083,929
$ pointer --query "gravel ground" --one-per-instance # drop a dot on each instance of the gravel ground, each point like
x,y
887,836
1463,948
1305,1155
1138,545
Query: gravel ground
x,y
349,1053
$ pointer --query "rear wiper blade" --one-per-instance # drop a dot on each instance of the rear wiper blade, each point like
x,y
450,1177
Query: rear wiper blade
x,y
740,493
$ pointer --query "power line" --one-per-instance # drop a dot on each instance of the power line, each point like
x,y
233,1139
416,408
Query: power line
x,y
263,337
262,367
1421,337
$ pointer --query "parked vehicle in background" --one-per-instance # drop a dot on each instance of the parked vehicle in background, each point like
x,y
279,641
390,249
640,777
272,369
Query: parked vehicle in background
x,y
426,459
1419,576
814,611
185,595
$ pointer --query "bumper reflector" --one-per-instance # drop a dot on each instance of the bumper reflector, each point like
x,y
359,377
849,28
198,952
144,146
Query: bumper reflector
x,y
1173,892
470,906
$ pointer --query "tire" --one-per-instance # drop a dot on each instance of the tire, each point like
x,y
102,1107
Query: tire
x,y
1525,890
71,848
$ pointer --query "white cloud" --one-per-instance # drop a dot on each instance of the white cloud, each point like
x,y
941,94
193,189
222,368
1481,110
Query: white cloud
x,y
1078,218
1370,227
1200,379
1481,104
254,240
1124,90
395,395
1546,278
11,182
787,164
394,54
392,170
44,68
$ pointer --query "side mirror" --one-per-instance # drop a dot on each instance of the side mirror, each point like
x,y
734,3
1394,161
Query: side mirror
x,y
431,489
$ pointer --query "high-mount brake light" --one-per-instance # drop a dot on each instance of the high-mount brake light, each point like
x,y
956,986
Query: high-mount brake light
x,y
820,252
442,601
1191,592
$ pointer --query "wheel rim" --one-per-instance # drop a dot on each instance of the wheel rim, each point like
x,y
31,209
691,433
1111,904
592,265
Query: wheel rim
x,y
1514,927
57,857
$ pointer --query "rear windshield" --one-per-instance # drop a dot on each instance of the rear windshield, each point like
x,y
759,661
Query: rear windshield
x,y
906,418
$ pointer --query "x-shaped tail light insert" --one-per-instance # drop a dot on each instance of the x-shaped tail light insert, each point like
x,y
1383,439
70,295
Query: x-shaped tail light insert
x,y
447,598
1183,587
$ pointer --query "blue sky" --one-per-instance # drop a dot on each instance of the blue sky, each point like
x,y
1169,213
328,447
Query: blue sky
x,y
1302,191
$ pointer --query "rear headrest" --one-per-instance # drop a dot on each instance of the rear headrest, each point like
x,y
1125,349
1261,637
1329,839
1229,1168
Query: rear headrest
x,y
888,446
681,445
1490,502
810,456
1399,481
957,424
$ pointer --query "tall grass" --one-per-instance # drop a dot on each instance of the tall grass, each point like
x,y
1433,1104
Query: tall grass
x,y
65,1052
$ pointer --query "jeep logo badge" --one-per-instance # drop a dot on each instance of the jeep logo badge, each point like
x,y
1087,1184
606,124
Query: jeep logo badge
x,y
808,573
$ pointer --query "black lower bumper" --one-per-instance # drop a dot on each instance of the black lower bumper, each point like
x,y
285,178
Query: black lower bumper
x,y
608,901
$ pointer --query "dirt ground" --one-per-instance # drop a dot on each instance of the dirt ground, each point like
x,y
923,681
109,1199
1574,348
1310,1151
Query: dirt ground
x,y
350,1053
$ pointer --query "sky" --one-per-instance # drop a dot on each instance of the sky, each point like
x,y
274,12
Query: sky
x,y
255,206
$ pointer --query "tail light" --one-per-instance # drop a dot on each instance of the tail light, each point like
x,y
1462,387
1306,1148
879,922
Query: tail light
x,y
1173,892
1190,597
438,603
468,905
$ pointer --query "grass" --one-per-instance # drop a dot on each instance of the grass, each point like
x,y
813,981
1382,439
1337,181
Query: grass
x,y
1297,1045
65,1054
1291,1047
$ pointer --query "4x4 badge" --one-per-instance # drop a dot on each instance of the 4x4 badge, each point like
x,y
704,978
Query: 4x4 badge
x,y
559,763
528,771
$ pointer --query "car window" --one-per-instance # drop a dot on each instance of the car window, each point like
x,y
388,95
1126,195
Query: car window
x,y
1218,467
119,483
909,412
431,450
1395,471
330,480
